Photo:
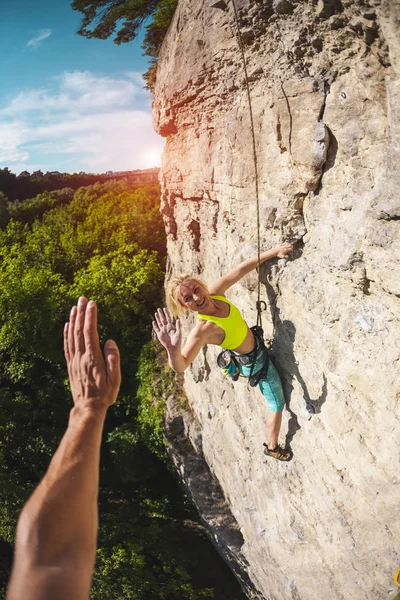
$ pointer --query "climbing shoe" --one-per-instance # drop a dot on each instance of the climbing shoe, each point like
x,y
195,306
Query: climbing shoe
x,y
278,453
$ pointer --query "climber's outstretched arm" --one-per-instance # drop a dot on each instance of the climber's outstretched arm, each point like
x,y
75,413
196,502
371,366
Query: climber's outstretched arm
x,y
56,534
169,334
220,286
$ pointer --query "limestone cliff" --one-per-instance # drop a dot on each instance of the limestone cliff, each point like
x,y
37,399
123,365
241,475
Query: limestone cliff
x,y
325,90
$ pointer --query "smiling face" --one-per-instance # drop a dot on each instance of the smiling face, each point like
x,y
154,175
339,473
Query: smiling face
x,y
193,296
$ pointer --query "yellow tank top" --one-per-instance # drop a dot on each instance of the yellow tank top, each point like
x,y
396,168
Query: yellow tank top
x,y
234,325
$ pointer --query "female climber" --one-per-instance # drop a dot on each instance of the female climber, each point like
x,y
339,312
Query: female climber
x,y
220,323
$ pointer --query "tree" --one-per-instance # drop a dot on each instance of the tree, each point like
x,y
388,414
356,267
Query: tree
x,y
44,266
155,33
102,244
7,181
108,243
4,213
124,18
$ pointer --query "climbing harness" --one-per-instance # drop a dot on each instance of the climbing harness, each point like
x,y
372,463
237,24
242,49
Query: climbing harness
x,y
260,349
229,362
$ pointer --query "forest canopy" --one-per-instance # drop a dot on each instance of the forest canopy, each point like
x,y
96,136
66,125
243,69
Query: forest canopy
x,y
107,242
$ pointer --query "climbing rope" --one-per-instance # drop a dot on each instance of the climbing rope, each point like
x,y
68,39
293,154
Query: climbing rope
x,y
261,305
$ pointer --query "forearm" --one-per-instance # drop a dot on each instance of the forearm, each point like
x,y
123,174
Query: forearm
x,y
58,525
176,360
251,263
64,506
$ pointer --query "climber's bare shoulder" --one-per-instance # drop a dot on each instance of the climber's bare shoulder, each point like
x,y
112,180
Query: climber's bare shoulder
x,y
204,332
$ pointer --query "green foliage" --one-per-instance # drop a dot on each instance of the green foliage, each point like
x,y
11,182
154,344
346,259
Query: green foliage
x,y
156,382
4,214
155,33
107,242
44,266
146,550
8,181
153,389
106,15
22,188
124,18
27,211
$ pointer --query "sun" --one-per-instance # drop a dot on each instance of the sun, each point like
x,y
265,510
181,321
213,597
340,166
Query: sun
x,y
152,157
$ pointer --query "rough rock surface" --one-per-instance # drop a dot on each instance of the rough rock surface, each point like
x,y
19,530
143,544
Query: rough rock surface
x,y
324,79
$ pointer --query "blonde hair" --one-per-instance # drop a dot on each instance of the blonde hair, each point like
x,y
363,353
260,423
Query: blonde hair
x,y
172,291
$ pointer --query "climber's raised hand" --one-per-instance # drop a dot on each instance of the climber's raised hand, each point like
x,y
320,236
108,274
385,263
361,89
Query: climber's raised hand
x,y
167,331
283,250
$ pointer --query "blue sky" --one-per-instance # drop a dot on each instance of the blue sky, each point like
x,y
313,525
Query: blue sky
x,y
68,103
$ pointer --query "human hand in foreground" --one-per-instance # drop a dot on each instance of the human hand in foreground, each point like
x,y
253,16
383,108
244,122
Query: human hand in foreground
x,y
94,378
168,332
283,250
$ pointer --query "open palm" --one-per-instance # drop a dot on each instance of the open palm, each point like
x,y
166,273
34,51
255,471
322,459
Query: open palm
x,y
168,332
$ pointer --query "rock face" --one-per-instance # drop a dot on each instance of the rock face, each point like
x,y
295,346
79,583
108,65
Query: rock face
x,y
324,80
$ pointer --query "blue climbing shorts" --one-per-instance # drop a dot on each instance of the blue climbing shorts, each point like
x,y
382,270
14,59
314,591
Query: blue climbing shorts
x,y
271,387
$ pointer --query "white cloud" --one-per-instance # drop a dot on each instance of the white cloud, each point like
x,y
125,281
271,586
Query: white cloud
x,y
12,137
88,121
75,91
41,35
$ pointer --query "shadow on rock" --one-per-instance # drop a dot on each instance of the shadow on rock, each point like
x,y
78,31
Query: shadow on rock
x,y
282,352
285,333
282,349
